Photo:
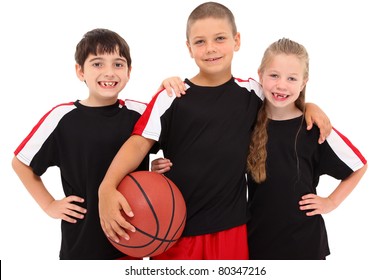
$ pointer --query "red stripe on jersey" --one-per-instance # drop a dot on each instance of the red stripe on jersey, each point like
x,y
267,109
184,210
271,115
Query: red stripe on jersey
x,y
143,120
353,148
149,124
251,85
36,127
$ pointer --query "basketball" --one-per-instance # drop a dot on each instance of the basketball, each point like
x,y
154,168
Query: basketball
x,y
159,214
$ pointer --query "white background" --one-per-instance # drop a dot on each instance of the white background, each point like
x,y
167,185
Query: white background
x,y
349,78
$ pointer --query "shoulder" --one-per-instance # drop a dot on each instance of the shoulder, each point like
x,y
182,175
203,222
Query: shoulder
x,y
251,85
64,106
59,111
313,133
133,105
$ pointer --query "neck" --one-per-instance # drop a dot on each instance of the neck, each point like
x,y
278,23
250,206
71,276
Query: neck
x,y
207,80
282,113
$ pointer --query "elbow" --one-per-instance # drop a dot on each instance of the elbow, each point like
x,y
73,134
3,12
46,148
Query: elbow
x,y
15,163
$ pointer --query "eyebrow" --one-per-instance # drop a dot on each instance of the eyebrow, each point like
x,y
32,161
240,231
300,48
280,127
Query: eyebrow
x,y
100,58
214,35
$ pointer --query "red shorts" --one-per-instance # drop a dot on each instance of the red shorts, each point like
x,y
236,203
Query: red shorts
x,y
229,244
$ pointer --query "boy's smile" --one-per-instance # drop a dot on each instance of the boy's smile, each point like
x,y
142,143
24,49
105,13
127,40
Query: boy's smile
x,y
105,75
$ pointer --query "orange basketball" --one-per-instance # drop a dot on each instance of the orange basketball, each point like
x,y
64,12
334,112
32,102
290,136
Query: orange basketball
x,y
159,214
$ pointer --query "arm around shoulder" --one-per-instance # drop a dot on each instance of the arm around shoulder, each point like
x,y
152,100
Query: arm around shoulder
x,y
314,114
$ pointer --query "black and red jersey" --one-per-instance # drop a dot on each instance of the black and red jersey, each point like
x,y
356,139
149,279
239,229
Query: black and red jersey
x,y
206,135
81,141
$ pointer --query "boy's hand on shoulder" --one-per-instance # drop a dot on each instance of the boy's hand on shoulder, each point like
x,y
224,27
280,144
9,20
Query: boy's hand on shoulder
x,y
66,209
314,114
173,85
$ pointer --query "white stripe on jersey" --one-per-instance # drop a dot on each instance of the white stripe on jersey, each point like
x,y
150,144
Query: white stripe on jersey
x,y
160,103
250,85
136,106
344,151
45,128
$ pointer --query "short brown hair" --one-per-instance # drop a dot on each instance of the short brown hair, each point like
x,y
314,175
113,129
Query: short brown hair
x,y
211,10
100,41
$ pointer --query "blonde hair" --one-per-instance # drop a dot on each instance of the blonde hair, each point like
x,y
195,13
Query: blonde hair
x,y
211,10
256,161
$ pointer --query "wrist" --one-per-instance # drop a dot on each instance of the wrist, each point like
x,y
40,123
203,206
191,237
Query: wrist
x,y
106,187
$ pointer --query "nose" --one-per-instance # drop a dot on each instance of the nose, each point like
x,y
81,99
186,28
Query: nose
x,y
280,85
210,47
109,72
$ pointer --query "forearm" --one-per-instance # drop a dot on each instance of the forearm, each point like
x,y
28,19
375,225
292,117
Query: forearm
x,y
347,186
314,114
32,183
128,158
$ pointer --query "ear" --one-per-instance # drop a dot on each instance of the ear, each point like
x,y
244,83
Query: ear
x,y
304,83
237,40
189,49
128,72
260,77
80,72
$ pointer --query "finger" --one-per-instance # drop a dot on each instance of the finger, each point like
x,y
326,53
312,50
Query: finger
x,y
107,231
124,205
125,225
312,213
120,231
309,123
169,91
307,196
68,219
77,208
157,166
162,170
110,230
74,214
322,136
74,198
110,233
180,90
169,88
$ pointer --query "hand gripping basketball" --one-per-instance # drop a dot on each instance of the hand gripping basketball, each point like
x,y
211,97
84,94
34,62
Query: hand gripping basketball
x,y
159,214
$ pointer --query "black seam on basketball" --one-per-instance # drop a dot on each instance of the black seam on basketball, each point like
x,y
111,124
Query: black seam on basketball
x,y
155,237
149,203
172,214
170,223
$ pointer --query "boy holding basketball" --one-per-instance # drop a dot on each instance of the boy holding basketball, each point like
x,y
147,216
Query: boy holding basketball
x,y
206,134
81,138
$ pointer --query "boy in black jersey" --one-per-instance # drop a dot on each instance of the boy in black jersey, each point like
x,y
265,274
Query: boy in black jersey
x,y
81,138
206,134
